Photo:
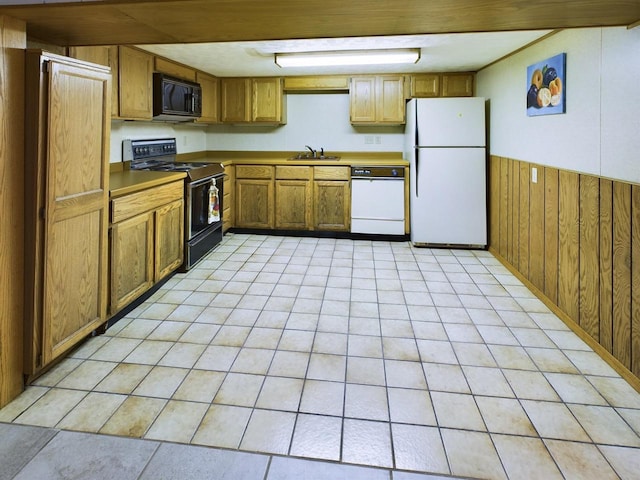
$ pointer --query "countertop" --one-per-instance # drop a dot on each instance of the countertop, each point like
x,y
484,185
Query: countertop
x,y
346,159
125,182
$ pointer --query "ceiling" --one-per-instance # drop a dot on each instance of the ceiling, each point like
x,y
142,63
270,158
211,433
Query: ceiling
x,y
238,37
438,53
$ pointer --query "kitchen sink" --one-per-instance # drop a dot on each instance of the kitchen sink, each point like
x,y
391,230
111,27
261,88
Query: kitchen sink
x,y
302,156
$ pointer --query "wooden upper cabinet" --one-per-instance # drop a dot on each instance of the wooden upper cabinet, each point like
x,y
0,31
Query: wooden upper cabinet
x,y
210,98
377,100
457,85
252,100
174,69
317,83
99,54
102,55
426,85
135,84
390,101
362,100
267,99
235,100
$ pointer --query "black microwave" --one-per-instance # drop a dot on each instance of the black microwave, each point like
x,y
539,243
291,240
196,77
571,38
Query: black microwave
x,y
175,99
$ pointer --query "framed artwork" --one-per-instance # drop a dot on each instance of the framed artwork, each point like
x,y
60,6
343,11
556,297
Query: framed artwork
x,y
546,86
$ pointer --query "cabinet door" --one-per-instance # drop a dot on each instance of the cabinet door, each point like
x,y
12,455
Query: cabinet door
x,y
254,203
76,185
174,69
169,239
332,204
102,55
235,100
266,100
425,86
135,84
390,98
362,98
228,203
210,98
457,85
293,204
131,259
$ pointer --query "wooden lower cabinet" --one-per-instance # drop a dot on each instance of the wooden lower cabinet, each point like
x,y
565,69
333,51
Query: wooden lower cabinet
x,y
228,199
147,241
302,197
293,204
131,259
169,239
254,196
332,205
254,203
332,198
293,197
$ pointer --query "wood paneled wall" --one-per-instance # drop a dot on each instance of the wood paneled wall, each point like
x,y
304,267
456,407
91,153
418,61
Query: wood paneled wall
x,y
13,40
576,239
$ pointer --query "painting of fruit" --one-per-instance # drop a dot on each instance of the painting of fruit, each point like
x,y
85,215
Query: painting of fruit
x,y
546,86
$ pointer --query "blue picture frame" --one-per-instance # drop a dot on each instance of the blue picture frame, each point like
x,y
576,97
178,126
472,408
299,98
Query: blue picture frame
x,y
547,86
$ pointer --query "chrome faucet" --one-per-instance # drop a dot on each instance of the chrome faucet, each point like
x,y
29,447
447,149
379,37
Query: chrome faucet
x,y
313,152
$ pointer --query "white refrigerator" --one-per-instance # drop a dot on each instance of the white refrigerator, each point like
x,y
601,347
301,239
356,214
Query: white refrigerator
x,y
445,145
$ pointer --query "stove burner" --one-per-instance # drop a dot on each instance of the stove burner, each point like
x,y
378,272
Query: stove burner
x,y
160,156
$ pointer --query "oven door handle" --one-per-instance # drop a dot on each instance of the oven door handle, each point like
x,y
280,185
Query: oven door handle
x,y
197,183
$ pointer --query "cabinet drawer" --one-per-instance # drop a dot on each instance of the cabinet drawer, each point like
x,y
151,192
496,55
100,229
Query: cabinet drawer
x,y
254,171
293,172
331,173
145,200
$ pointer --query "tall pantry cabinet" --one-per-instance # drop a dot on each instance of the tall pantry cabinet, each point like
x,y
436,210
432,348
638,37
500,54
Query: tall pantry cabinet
x,y
68,119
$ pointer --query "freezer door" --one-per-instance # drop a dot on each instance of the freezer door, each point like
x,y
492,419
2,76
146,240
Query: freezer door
x,y
451,122
451,208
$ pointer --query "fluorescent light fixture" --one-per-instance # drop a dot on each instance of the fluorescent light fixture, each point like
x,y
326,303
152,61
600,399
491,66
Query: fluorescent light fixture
x,y
348,57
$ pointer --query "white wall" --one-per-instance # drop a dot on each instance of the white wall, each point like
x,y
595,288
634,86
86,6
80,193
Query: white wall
x,y
318,120
600,131
189,137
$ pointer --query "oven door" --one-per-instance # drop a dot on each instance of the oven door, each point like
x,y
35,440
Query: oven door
x,y
204,205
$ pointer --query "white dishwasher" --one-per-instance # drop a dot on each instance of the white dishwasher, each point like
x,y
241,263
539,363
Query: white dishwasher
x,y
377,200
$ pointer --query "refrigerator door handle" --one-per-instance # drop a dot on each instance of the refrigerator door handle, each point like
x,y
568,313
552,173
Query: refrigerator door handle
x,y
417,149
417,156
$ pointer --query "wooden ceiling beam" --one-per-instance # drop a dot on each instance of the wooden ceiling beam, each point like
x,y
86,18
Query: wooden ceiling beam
x,y
194,21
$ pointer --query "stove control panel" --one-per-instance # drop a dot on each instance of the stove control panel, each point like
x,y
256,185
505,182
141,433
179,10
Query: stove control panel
x,y
137,150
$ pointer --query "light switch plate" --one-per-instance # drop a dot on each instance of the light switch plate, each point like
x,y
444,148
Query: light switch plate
x,y
534,175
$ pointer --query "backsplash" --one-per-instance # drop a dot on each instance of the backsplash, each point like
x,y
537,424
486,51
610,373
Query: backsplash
x,y
318,120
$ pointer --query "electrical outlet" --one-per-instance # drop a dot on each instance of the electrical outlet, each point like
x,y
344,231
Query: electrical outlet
x,y
185,140
378,139
534,175
368,139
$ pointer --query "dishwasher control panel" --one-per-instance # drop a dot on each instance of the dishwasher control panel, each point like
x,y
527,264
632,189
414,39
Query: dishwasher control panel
x,y
377,172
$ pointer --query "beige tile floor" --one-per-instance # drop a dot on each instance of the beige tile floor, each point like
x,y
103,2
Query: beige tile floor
x,y
369,353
